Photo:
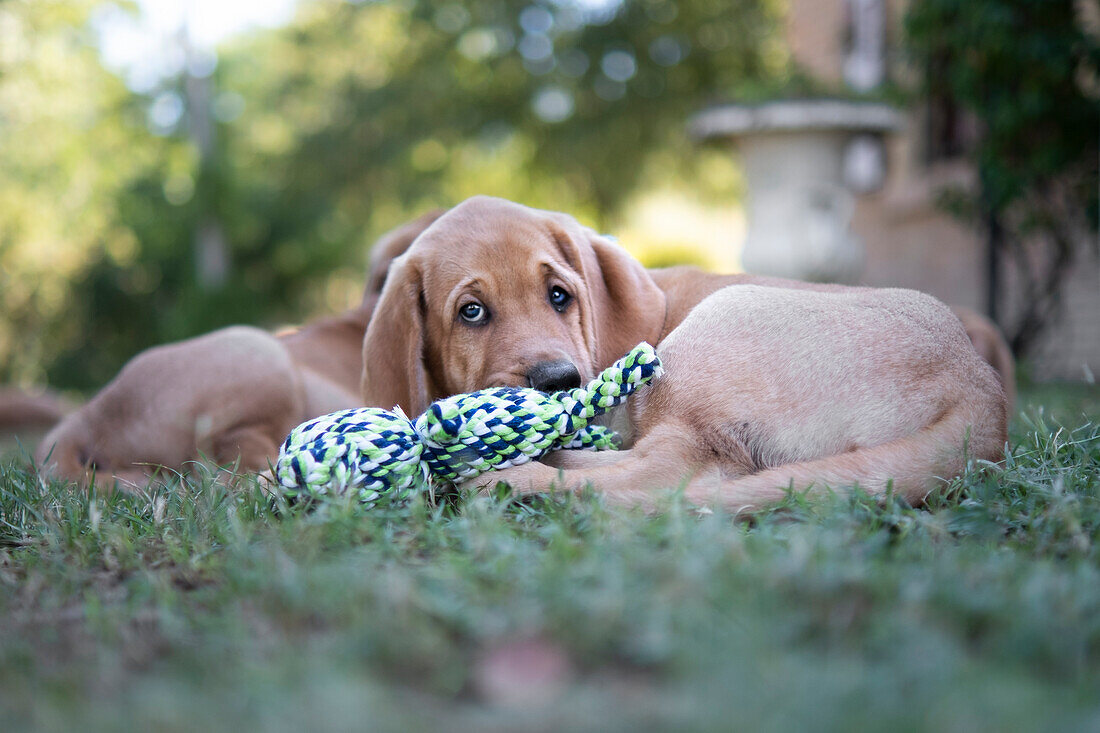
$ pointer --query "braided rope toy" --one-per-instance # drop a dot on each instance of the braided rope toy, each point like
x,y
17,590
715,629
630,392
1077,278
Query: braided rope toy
x,y
372,451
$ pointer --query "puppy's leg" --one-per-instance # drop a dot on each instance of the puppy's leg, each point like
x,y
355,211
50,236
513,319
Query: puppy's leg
x,y
911,466
570,459
253,445
664,459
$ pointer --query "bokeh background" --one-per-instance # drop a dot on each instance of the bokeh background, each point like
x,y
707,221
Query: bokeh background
x,y
167,168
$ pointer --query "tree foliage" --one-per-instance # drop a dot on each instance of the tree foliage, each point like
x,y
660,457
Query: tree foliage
x,y
328,131
1029,70
71,139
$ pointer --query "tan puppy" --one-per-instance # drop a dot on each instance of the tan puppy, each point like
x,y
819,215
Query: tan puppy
x,y
770,384
229,396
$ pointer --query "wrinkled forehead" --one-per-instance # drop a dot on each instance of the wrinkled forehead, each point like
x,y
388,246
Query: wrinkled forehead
x,y
490,240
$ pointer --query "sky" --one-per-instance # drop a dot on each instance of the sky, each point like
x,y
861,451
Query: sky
x,y
130,42
144,47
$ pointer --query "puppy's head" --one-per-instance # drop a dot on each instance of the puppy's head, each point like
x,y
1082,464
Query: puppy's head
x,y
498,294
389,247
72,451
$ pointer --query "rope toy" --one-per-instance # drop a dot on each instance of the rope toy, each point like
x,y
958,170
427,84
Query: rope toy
x,y
372,451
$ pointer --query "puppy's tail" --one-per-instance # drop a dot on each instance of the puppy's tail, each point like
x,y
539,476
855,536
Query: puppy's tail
x,y
990,343
1000,358
29,414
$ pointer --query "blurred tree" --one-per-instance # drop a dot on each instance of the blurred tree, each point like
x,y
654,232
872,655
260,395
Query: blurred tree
x,y
355,117
360,115
1030,72
71,139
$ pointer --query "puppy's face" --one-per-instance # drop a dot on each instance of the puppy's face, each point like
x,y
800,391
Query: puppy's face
x,y
504,306
72,451
497,294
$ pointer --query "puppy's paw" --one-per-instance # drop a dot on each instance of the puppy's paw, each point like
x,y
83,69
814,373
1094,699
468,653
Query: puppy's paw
x,y
529,478
483,483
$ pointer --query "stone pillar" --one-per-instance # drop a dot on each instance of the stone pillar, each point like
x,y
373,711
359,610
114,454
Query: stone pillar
x,y
798,206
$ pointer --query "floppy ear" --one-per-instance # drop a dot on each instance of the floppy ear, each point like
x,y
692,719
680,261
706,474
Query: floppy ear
x,y
393,349
626,305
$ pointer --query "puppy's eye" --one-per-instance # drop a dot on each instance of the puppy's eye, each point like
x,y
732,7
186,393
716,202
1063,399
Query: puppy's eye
x,y
88,460
559,298
474,313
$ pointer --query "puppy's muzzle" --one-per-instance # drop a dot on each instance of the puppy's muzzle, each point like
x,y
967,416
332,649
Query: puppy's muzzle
x,y
553,376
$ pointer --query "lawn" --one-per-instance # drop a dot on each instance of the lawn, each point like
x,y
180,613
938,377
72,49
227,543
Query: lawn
x,y
196,608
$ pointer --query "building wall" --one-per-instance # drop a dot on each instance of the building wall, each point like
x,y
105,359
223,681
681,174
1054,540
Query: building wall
x,y
1072,350
815,32
910,241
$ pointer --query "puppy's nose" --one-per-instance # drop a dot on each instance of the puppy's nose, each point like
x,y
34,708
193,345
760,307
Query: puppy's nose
x,y
554,376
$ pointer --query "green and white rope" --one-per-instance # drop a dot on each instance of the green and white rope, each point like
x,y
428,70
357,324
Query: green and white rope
x,y
370,451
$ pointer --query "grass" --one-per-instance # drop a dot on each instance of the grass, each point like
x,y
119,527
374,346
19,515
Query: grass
x,y
194,607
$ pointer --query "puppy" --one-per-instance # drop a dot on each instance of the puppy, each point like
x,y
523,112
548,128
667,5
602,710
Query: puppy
x,y
770,385
230,396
